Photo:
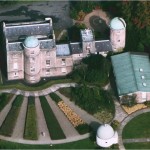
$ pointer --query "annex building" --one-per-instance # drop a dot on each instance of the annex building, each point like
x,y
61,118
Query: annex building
x,y
32,52
132,74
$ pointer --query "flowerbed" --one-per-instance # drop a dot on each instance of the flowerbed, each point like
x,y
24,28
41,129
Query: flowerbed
x,y
134,108
70,114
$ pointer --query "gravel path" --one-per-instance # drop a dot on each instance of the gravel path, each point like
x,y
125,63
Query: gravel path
x,y
65,124
89,119
20,124
42,126
5,111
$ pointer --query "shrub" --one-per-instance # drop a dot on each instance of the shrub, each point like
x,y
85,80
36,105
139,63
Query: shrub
x,y
147,103
52,124
83,128
55,97
115,124
18,101
5,99
11,118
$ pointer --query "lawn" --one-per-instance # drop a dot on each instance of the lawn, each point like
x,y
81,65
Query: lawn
x,y
10,120
5,99
138,127
65,91
42,86
137,145
53,125
31,124
82,144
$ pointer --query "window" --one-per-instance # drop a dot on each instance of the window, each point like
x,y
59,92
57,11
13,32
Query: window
x,y
63,70
32,60
47,71
15,56
15,74
32,52
63,62
32,69
118,40
32,78
48,62
143,95
47,53
15,66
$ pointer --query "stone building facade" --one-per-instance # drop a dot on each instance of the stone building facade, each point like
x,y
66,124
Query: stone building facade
x,y
32,52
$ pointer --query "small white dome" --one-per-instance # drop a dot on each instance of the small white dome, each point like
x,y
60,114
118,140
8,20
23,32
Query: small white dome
x,y
31,42
105,132
117,23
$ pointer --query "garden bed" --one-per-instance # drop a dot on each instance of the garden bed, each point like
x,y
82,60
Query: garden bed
x,y
30,132
53,126
11,118
130,110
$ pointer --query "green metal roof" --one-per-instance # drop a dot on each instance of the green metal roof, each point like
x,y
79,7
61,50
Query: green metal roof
x,y
132,72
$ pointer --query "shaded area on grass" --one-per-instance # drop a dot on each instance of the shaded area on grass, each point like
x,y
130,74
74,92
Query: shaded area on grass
x,y
138,127
11,118
5,99
31,123
144,145
82,144
53,126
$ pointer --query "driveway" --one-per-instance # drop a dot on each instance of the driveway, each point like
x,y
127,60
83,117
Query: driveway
x,y
57,10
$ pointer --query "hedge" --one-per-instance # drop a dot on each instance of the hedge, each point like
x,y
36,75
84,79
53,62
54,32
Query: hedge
x,y
55,97
11,118
31,123
53,125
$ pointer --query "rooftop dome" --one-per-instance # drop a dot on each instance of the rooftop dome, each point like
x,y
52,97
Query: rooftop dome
x,y
117,23
31,42
105,132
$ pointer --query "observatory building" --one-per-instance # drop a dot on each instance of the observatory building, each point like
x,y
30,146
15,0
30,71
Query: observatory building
x,y
32,52
106,136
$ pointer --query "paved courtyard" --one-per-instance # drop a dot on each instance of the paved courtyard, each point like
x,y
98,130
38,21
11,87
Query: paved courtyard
x,y
57,10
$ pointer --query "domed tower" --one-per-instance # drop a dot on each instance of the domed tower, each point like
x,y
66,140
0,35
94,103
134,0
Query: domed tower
x,y
32,60
106,136
117,33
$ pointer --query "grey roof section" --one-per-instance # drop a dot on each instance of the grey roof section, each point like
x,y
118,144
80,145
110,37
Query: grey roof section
x,y
62,50
103,45
87,35
20,31
47,44
44,44
76,48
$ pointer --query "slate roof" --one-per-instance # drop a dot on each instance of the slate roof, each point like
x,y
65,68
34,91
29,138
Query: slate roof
x,y
62,50
44,44
76,48
132,72
103,45
14,32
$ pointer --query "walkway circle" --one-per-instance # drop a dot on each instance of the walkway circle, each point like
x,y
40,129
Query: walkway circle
x,y
98,24
125,121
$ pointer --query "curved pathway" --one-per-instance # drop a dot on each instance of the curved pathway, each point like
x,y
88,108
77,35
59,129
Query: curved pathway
x,y
100,13
69,130
125,121
20,124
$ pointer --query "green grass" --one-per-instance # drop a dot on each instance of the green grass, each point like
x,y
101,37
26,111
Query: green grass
x,y
5,99
55,97
34,88
144,145
53,126
138,127
82,144
10,120
31,124
65,91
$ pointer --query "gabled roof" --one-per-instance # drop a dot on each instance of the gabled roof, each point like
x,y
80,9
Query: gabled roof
x,y
132,72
